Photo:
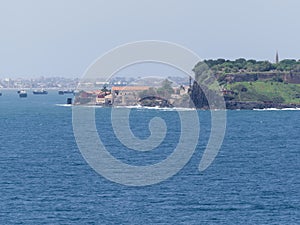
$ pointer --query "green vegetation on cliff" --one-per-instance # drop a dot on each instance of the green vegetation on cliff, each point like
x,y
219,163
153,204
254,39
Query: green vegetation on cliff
x,y
266,91
244,80
222,66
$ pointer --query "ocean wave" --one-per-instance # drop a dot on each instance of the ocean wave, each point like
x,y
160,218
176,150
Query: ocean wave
x,y
130,107
276,109
156,108
63,105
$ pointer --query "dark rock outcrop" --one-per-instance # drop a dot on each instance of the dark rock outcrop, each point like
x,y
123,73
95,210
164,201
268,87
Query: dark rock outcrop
x,y
258,105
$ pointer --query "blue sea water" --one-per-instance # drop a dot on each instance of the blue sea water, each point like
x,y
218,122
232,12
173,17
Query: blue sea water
x,y
255,179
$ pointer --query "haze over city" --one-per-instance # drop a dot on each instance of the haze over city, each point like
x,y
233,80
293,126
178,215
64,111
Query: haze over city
x,y
62,38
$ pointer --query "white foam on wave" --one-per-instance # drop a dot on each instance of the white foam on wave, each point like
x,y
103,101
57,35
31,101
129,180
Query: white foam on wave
x,y
131,107
86,106
275,109
169,109
290,109
63,105
156,108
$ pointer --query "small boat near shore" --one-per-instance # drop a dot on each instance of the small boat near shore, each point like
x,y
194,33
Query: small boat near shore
x,y
40,92
22,94
62,92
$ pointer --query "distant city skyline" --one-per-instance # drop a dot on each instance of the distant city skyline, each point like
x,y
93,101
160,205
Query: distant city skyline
x,y
62,38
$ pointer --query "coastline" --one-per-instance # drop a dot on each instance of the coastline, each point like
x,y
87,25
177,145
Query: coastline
x,y
234,105
230,105
184,109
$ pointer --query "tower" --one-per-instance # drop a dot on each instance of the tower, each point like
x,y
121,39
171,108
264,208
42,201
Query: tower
x,y
277,57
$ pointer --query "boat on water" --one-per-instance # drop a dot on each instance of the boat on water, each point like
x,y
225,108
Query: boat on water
x,y
62,92
22,93
40,92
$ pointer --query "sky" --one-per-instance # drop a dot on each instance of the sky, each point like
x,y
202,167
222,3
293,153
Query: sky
x,y
62,38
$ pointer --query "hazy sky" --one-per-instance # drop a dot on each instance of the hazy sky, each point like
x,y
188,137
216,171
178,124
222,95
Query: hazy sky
x,y
62,37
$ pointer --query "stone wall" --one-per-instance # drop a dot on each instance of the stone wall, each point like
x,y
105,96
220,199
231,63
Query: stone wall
x,y
291,77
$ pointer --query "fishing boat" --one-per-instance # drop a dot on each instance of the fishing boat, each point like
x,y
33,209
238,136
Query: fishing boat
x,y
22,93
69,92
40,92
62,92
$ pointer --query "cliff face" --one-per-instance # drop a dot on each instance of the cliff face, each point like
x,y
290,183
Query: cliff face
x,y
198,97
290,77
256,94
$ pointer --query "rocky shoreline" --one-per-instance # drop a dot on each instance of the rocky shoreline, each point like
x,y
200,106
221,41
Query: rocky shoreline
x,y
234,105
